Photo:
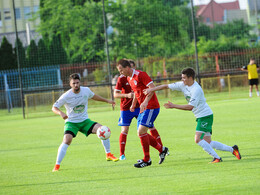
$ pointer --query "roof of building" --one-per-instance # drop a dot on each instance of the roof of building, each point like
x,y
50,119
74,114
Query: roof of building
x,y
224,6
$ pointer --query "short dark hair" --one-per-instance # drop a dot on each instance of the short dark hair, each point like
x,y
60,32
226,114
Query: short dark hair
x,y
124,63
131,62
190,72
74,76
252,58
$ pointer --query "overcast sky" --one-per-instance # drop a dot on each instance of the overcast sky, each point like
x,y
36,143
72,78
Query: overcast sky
x,y
242,3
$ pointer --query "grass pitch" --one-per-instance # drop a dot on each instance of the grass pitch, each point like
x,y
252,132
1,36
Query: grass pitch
x,y
28,151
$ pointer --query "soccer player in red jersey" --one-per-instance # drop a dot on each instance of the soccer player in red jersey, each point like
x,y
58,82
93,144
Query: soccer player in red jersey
x,y
149,110
123,90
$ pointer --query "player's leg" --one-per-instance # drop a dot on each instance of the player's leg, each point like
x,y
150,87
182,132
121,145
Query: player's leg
x,y
122,141
250,90
105,143
199,139
124,121
70,131
203,136
156,135
256,87
67,139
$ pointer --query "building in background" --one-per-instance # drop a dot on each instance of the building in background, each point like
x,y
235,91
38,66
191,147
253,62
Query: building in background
x,y
24,11
214,12
253,13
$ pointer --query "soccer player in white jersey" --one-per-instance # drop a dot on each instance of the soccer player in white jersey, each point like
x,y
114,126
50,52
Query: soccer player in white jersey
x,y
204,115
76,118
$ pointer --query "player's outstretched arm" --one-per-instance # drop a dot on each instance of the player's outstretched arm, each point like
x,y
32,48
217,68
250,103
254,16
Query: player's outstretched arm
x,y
99,98
59,112
157,88
180,107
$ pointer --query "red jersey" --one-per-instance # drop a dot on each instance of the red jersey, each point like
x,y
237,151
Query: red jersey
x,y
123,86
140,81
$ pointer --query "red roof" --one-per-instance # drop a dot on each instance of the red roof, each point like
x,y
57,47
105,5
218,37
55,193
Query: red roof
x,y
205,11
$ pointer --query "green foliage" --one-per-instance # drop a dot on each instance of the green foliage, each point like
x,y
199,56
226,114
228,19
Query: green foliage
x,y
99,75
7,57
80,27
22,53
32,55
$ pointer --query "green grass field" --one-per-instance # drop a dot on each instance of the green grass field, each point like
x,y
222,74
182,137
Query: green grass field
x,y
28,151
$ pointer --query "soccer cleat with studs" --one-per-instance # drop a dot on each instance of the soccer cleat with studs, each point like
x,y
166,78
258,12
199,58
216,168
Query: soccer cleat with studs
x,y
142,164
236,152
163,154
56,168
111,157
216,160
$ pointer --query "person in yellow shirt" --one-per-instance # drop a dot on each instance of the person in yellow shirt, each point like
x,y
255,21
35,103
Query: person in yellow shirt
x,y
252,69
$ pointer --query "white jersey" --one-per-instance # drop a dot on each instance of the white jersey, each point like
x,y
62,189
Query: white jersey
x,y
76,104
195,97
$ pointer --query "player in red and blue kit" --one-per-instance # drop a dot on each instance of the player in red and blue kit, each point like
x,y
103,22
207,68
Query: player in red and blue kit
x,y
149,110
123,90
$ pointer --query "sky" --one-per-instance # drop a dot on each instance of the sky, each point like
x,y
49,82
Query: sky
x,y
242,3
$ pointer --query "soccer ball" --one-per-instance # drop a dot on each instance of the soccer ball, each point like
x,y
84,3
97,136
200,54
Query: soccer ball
x,y
103,132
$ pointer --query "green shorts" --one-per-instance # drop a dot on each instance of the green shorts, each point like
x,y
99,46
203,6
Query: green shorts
x,y
84,127
205,123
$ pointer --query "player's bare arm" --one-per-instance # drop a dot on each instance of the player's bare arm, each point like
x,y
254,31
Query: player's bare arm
x,y
118,94
59,112
177,106
133,105
99,98
157,88
147,99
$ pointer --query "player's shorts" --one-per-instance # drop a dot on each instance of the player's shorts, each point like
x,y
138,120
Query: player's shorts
x,y
127,116
253,81
204,124
84,127
147,117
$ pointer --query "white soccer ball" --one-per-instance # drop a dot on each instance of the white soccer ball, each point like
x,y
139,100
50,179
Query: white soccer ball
x,y
103,132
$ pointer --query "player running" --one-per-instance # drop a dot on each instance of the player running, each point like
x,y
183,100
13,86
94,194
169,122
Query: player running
x,y
204,115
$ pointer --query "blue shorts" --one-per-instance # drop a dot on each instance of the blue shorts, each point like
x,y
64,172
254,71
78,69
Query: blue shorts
x,y
127,116
147,117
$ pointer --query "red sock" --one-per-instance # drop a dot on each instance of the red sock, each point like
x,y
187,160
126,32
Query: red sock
x,y
145,145
156,135
122,143
155,144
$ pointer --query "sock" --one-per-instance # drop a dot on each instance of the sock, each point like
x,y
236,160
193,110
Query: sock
x,y
106,144
250,94
145,145
155,144
207,147
61,153
257,93
156,135
122,143
220,146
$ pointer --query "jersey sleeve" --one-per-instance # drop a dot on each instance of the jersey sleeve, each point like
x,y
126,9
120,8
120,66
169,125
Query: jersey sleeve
x,y
118,86
90,93
146,80
60,102
176,86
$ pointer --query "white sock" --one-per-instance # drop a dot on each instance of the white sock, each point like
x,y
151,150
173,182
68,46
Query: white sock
x,y
61,152
257,93
106,144
250,94
220,146
207,147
